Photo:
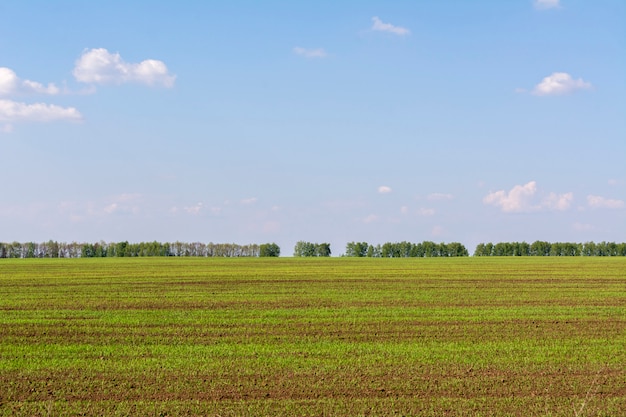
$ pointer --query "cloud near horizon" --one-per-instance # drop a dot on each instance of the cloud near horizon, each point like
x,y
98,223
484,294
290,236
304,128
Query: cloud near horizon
x,y
248,201
595,201
99,66
521,199
379,26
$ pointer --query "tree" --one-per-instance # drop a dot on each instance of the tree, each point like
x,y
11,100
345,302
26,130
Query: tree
x,y
269,250
304,249
357,249
322,250
120,249
457,249
540,248
374,251
88,251
430,249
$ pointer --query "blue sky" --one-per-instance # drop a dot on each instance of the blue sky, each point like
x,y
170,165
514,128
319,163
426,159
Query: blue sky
x,y
279,121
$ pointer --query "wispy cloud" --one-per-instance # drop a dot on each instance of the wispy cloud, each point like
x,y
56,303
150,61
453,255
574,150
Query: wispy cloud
x,y
310,53
546,4
370,219
248,201
522,198
559,83
426,212
117,205
595,201
195,209
383,189
558,202
99,66
439,197
379,26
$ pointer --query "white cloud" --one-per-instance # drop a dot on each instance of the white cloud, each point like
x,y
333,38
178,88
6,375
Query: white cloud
x,y
126,203
13,111
80,211
559,83
383,189
546,4
404,210
195,209
310,53
11,84
439,197
521,199
516,200
111,208
99,66
558,202
379,26
596,201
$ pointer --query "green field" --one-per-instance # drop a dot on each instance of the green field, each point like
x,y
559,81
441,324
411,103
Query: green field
x,y
318,337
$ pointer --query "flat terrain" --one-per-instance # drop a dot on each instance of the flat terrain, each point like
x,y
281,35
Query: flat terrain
x,y
318,337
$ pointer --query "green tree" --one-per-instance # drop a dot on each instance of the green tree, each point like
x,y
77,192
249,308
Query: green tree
x,y
304,249
322,250
356,249
120,248
88,251
457,249
269,250
540,248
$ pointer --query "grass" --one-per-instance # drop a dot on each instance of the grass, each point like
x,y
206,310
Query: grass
x,y
337,337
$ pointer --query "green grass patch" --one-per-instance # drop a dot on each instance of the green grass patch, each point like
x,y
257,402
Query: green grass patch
x,y
341,337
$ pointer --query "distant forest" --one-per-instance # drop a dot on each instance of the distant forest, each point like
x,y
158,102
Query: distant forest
x,y
426,249
541,248
52,249
431,249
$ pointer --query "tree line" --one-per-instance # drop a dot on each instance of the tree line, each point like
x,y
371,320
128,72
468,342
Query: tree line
x,y
53,249
426,249
542,248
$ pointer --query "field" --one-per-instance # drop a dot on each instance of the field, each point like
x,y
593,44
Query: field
x,y
318,337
